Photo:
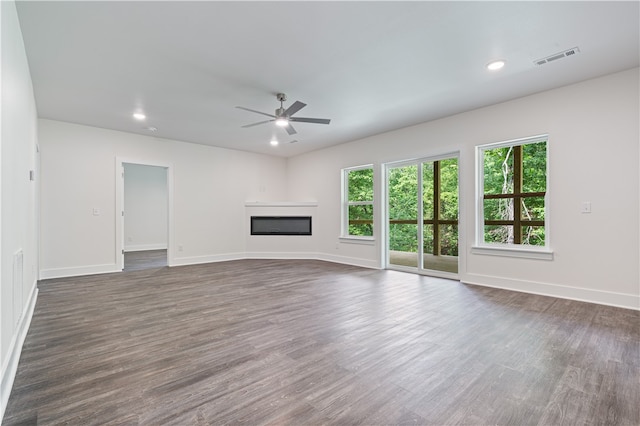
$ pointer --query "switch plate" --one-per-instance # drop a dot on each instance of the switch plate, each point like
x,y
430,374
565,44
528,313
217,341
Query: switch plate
x,y
585,207
96,211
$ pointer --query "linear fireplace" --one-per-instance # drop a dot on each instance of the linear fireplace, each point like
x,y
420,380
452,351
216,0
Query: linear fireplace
x,y
280,225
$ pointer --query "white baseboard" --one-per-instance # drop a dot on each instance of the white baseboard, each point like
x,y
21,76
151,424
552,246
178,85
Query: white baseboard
x,y
354,261
282,255
196,260
75,271
10,367
182,261
145,247
620,300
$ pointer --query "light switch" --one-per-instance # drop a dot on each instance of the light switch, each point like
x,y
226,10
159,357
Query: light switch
x,y
96,211
586,207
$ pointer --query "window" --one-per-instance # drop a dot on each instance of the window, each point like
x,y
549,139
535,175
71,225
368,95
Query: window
x,y
512,194
357,201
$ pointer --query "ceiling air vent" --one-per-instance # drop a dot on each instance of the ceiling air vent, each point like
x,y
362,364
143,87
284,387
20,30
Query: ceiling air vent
x,y
557,56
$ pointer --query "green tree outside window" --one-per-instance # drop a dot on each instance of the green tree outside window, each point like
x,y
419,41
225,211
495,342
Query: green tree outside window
x,y
514,190
358,205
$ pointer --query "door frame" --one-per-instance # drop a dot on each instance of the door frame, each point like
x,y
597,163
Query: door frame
x,y
385,216
119,207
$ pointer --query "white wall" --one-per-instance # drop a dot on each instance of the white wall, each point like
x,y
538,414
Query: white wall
x,y
18,201
210,188
593,132
146,207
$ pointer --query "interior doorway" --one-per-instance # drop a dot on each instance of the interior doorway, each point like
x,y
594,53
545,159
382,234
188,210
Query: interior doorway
x,y
422,216
143,239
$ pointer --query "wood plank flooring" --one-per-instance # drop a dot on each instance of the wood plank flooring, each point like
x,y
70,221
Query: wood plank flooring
x,y
147,259
269,342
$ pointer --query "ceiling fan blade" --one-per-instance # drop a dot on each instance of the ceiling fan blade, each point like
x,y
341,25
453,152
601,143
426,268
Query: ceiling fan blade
x,y
255,124
289,128
257,112
311,120
297,106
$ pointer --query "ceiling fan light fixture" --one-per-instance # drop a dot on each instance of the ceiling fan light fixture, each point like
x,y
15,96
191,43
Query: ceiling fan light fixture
x,y
139,116
274,142
282,122
495,65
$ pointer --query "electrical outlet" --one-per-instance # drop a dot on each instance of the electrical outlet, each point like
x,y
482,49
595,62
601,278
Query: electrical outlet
x,y
180,247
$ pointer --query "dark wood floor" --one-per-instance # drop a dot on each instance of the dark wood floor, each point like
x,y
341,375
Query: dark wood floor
x,y
309,342
147,259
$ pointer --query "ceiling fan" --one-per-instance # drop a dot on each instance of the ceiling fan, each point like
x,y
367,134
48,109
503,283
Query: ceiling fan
x,y
283,117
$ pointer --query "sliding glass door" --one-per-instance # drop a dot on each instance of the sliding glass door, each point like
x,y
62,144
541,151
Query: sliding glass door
x,y
422,212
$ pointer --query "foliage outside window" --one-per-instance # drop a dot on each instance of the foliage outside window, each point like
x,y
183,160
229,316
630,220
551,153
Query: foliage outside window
x,y
439,194
403,208
358,202
440,199
513,190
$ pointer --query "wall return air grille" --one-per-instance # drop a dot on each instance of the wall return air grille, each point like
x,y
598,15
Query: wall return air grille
x,y
556,56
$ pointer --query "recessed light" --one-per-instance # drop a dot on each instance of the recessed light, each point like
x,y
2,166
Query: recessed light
x,y
139,116
495,65
274,142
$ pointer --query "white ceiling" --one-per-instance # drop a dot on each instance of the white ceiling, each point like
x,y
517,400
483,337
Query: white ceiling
x,y
370,67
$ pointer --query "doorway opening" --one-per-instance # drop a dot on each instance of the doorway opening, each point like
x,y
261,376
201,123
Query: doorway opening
x,y
144,225
422,216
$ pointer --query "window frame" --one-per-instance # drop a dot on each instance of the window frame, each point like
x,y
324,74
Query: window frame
x,y
345,204
502,249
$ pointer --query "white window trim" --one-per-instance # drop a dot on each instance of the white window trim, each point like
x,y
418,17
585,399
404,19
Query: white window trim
x,y
510,250
344,222
528,252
